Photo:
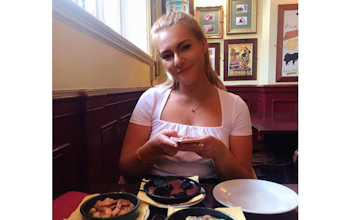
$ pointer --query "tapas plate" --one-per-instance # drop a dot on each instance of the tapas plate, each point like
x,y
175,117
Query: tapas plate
x,y
256,196
165,206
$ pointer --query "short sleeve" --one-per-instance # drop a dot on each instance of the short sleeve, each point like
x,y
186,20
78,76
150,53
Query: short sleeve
x,y
242,122
143,111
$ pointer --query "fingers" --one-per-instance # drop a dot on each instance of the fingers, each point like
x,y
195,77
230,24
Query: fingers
x,y
164,140
171,133
195,147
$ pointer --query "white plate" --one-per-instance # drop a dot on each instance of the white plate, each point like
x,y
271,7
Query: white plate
x,y
165,206
256,196
146,215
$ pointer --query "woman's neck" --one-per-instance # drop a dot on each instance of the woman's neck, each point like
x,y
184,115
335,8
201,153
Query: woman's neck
x,y
195,91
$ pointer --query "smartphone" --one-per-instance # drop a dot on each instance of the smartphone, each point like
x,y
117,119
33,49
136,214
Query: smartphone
x,y
189,140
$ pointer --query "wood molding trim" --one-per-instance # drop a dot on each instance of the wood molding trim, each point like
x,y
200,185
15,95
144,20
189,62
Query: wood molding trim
x,y
75,16
59,151
277,104
63,94
268,97
285,88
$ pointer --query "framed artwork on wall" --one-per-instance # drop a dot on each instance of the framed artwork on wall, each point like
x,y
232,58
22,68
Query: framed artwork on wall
x,y
211,19
287,55
241,16
240,59
169,6
214,56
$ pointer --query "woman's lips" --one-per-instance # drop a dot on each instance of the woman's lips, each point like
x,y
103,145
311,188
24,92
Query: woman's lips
x,y
184,70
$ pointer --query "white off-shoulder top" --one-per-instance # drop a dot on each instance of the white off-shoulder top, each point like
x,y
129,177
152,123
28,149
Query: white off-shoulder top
x,y
235,121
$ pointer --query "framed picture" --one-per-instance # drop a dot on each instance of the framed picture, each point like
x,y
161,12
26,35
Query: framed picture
x,y
241,16
287,44
214,56
211,19
169,6
240,59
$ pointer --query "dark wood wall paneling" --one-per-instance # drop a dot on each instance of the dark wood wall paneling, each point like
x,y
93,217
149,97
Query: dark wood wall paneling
x,y
268,98
89,129
88,133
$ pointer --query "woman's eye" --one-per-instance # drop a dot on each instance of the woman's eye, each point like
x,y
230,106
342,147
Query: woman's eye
x,y
167,56
186,47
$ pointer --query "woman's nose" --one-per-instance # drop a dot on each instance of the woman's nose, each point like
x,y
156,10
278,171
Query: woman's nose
x,y
178,60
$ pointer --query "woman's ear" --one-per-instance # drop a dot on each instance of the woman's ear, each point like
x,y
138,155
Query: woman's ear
x,y
204,44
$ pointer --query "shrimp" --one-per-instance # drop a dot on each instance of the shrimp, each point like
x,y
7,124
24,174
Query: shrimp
x,y
116,210
107,212
110,207
96,214
124,210
92,211
125,202
105,203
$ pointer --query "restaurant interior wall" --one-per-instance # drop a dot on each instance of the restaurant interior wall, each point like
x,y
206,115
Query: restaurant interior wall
x,y
86,122
267,40
95,89
81,61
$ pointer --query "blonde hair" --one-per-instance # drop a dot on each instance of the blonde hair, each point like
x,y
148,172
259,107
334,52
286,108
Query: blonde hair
x,y
187,21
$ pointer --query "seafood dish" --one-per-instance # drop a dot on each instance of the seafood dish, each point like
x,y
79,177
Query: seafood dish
x,y
173,188
111,207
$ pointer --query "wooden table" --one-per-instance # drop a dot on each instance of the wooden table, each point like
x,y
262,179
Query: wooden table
x,y
209,201
274,123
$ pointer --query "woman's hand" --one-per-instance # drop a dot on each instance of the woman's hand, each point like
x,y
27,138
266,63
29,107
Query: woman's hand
x,y
139,153
160,144
208,147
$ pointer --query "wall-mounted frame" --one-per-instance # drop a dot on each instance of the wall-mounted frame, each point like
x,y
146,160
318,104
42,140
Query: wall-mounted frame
x,y
241,16
287,44
153,6
240,59
214,56
211,19
169,6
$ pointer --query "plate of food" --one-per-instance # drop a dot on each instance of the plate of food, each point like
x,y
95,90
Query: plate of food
x,y
182,205
113,205
199,213
171,191
256,196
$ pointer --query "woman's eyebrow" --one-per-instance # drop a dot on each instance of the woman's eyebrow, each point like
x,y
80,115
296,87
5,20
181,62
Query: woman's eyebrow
x,y
179,45
182,42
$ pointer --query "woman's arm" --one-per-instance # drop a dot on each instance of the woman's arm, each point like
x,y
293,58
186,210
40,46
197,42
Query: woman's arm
x,y
235,163
139,153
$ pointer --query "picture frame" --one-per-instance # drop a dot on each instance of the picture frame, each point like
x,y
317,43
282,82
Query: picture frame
x,y
241,16
178,5
237,65
211,20
214,56
153,6
287,54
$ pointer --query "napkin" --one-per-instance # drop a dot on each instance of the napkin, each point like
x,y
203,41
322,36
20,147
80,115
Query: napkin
x,y
76,215
235,212
143,196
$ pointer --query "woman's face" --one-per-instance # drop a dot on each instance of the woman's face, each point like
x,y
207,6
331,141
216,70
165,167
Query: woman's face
x,y
182,54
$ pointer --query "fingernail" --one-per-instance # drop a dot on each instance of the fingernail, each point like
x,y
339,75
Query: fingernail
x,y
175,145
178,134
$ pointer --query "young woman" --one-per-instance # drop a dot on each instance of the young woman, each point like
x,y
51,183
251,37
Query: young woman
x,y
193,102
